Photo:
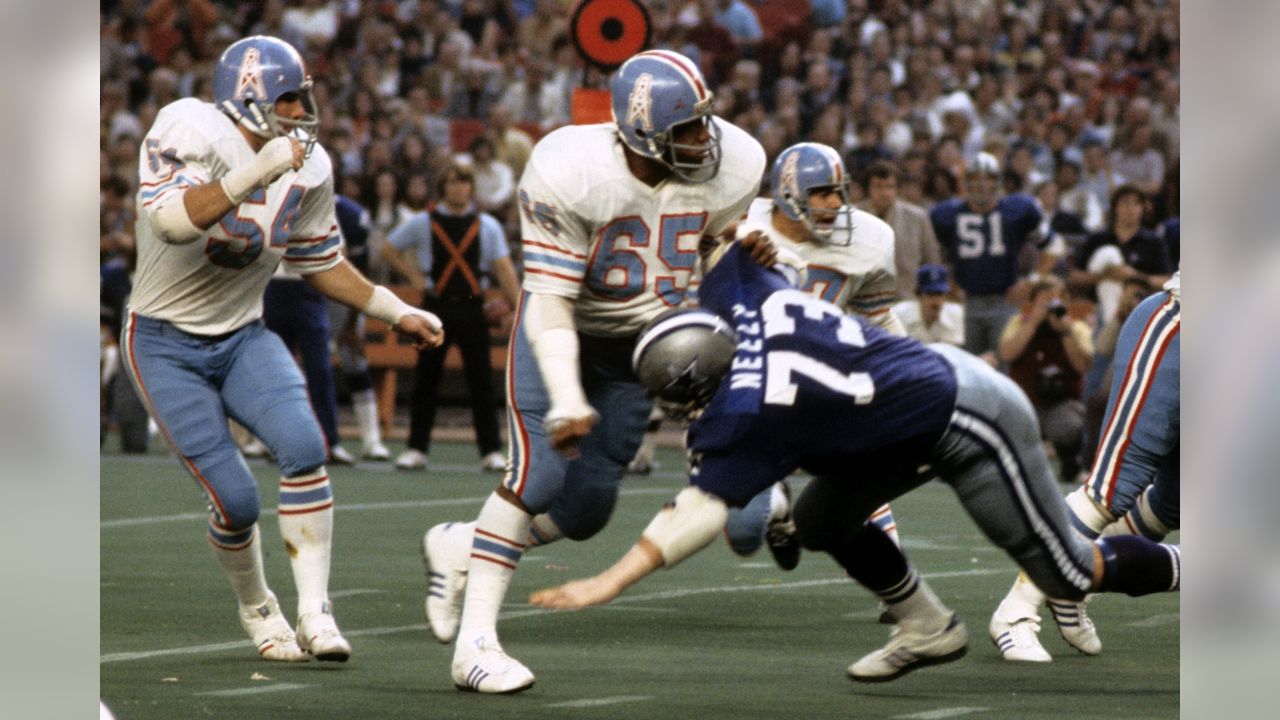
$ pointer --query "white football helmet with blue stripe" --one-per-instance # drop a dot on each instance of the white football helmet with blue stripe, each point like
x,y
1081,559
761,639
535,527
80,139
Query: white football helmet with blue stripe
x,y
252,75
809,167
651,94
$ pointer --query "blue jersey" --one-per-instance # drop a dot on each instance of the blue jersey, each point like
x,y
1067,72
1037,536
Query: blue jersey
x,y
354,223
984,249
810,388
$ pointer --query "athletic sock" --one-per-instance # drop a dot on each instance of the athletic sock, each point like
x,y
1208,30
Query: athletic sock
x,y
1087,517
883,518
1022,602
239,553
1140,520
871,558
306,524
542,531
494,556
1137,566
365,406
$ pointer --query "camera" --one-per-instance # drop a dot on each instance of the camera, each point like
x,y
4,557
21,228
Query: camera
x,y
1057,309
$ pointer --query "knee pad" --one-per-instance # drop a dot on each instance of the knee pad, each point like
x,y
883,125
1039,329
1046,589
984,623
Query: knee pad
x,y
301,453
746,525
240,510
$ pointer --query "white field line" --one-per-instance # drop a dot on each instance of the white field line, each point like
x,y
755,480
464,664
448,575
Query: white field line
x,y
255,690
598,702
533,612
941,713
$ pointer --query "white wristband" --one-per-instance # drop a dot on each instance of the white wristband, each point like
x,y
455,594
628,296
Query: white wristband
x,y
385,306
687,525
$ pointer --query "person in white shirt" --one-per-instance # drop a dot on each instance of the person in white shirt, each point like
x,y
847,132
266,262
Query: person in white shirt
x,y
930,317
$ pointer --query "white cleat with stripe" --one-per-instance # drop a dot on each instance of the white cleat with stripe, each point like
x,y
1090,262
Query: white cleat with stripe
x,y
318,635
271,633
446,550
1018,641
909,650
489,669
1075,626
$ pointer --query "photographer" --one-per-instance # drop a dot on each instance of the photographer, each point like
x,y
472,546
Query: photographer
x,y
1048,353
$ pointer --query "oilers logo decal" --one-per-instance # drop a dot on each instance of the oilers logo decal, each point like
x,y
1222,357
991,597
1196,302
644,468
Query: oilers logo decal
x,y
250,83
640,103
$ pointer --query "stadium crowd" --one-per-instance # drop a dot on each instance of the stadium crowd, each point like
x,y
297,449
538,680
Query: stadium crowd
x,y
1076,99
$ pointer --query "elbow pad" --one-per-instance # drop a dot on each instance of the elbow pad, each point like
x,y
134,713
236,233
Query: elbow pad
x,y
171,223
687,524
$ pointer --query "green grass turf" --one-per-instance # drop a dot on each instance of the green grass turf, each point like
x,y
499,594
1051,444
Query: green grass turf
x,y
717,637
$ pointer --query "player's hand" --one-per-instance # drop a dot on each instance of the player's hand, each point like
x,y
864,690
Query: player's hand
x,y
760,247
423,328
575,594
566,428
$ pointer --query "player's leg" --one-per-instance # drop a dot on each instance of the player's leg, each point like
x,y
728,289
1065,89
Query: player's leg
x,y
426,394
536,477
317,366
355,372
642,463
831,517
264,391
472,333
766,518
165,366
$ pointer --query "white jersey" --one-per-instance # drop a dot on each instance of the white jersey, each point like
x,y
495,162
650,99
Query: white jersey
x,y
624,251
859,277
949,327
214,285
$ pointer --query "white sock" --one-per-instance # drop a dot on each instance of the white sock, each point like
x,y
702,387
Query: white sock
x,y
883,518
365,405
494,556
240,556
306,524
1140,520
920,610
1023,601
542,531
1089,517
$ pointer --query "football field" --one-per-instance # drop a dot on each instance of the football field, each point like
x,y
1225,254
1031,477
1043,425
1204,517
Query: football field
x,y
716,637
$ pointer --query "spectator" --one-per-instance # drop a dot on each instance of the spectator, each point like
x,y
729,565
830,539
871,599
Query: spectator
x,y
1098,178
495,184
1125,250
511,145
1075,198
1138,162
914,242
929,317
1048,354
453,246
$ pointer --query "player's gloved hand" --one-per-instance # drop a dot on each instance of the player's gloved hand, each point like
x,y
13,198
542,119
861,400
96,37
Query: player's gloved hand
x,y
278,156
567,426
761,248
576,594
422,327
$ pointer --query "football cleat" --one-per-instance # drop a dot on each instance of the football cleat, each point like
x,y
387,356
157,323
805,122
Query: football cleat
x,y
1018,641
1075,626
909,650
640,465
494,462
318,635
446,550
489,669
271,633
780,532
411,460
376,451
255,448
339,455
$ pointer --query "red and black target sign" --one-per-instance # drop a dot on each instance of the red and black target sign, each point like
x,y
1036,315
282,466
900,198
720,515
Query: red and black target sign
x,y
607,32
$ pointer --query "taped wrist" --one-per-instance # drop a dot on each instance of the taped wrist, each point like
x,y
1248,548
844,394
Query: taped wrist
x,y
385,306
172,224
272,161
686,525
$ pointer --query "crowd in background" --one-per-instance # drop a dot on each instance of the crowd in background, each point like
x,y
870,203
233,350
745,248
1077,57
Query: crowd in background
x,y
1075,98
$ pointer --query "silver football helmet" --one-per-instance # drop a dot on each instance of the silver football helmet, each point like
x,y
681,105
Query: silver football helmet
x,y
681,357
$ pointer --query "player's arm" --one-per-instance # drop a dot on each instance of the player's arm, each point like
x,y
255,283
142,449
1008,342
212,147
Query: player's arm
x,y
183,217
682,528
345,284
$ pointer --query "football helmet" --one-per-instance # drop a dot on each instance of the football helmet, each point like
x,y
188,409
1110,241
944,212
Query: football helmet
x,y
982,180
653,93
252,75
805,168
681,357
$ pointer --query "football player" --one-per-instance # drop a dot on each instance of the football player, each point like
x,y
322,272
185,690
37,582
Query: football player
x,y
848,260
780,380
228,190
612,216
1134,485
983,235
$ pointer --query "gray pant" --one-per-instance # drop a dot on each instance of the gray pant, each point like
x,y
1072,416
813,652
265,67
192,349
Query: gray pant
x,y
992,456
984,319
